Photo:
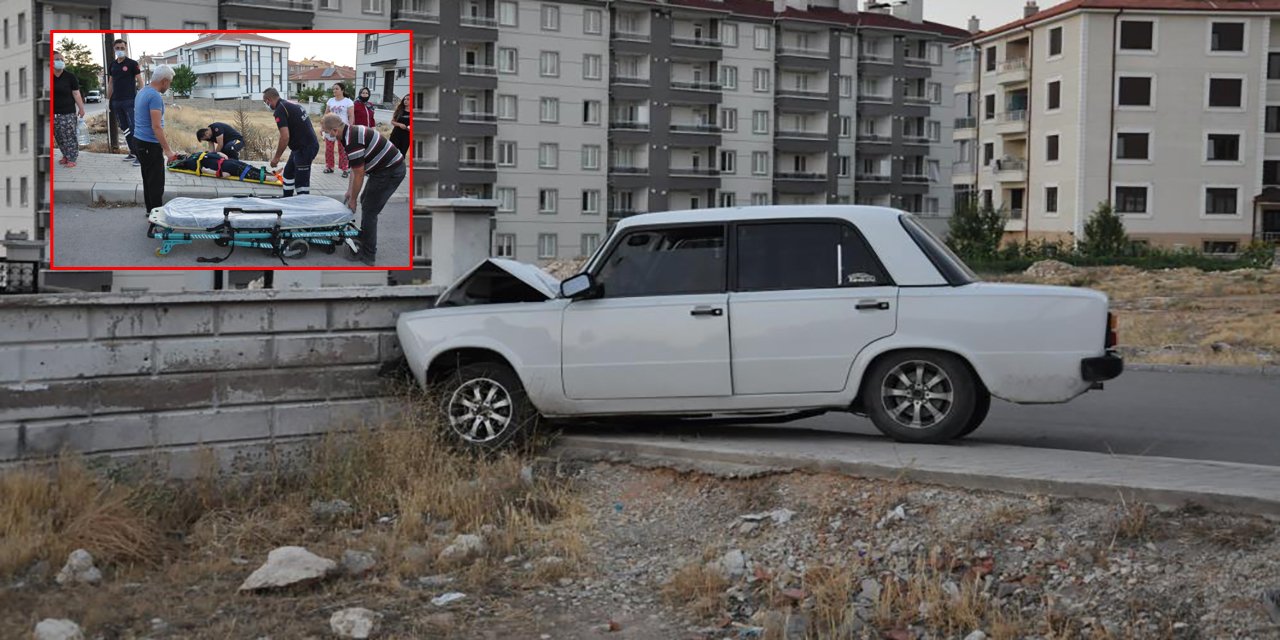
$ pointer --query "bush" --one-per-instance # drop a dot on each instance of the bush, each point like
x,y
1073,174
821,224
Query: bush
x,y
975,232
1104,234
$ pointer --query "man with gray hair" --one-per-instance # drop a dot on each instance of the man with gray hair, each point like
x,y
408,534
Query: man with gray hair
x,y
148,135
372,155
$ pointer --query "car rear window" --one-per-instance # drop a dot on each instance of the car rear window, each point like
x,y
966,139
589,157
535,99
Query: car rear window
x,y
952,268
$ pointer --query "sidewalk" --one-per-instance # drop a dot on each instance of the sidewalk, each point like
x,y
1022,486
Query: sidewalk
x,y
108,178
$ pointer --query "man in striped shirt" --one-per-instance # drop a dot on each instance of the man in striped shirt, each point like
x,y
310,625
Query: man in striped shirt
x,y
368,153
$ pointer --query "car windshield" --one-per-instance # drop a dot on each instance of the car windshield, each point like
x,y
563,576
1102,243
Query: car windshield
x,y
947,262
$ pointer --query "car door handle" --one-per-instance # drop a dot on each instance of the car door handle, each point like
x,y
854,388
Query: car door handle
x,y
872,305
707,311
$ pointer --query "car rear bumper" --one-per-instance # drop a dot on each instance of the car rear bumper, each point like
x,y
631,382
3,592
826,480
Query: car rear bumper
x,y
1102,368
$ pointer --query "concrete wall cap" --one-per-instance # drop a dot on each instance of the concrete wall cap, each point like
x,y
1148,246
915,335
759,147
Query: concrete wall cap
x,y
231,296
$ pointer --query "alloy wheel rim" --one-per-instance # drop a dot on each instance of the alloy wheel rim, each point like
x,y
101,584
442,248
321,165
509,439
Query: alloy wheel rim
x,y
917,394
480,410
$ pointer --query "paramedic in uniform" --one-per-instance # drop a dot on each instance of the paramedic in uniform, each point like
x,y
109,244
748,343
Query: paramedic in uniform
x,y
222,138
296,133
373,155
124,79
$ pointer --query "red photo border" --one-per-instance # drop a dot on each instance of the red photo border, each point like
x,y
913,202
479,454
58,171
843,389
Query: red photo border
x,y
52,197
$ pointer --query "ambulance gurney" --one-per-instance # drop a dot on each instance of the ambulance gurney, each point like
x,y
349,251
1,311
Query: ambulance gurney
x,y
286,227
216,165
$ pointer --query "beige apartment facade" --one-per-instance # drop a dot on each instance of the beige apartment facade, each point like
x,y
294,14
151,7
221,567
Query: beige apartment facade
x,y
1172,116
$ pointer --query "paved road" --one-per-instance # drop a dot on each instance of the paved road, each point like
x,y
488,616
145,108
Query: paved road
x,y
86,236
1180,415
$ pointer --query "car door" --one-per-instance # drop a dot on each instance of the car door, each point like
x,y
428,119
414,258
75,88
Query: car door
x,y
808,295
658,325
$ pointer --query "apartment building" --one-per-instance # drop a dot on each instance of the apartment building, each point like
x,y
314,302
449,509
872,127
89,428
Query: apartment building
x,y
382,65
301,79
232,65
1168,110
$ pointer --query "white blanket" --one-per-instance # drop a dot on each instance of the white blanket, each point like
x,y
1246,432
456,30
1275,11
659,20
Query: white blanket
x,y
299,212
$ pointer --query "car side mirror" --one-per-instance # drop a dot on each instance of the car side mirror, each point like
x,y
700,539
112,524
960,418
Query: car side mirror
x,y
577,286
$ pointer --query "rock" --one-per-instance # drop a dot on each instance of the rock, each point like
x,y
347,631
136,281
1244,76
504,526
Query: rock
x,y
870,589
436,581
356,622
1271,602
464,547
1052,269
781,516
330,510
1219,347
733,564
447,598
444,620
79,569
288,566
748,527
898,513
526,474
976,635
415,554
357,563
58,629
159,626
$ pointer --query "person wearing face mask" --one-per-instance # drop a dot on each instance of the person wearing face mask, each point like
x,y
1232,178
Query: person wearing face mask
x,y
124,79
148,136
299,136
339,105
362,114
67,104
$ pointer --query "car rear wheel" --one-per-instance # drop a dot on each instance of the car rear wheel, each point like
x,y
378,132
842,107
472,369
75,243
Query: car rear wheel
x,y
920,396
484,407
980,409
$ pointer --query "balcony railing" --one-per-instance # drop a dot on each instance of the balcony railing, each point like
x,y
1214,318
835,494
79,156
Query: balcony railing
x,y
873,97
629,125
915,178
428,115
917,62
632,36
477,165
803,93
964,169
695,86
695,128
477,116
873,177
1012,64
478,69
1015,214
866,56
628,169
619,78
428,67
966,123
427,163
803,51
709,43
1019,115
915,99
1009,164
291,5
694,171
811,135
417,15
912,138
479,21
872,137
1271,236
799,175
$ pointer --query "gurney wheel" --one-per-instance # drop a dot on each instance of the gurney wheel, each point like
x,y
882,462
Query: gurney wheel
x,y
330,248
295,249
160,252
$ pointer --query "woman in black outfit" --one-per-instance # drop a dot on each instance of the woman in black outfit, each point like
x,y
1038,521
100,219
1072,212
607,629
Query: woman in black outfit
x,y
400,125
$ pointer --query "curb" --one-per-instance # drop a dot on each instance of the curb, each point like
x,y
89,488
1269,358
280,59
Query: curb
x,y
1268,371
1167,482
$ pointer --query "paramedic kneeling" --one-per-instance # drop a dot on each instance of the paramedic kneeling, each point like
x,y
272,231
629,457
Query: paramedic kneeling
x,y
222,138
373,155
148,136
297,134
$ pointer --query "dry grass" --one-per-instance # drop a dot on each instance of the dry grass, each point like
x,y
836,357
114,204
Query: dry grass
x,y
696,587
1135,521
924,597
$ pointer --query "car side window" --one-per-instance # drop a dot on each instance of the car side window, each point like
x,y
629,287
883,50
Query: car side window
x,y
665,262
804,255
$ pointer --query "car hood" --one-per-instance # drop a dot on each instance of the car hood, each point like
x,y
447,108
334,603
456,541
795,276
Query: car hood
x,y
500,280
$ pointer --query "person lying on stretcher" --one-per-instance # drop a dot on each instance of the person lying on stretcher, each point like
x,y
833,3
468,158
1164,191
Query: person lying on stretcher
x,y
220,165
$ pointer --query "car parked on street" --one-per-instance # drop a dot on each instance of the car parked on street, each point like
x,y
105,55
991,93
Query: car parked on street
x,y
755,314
93,96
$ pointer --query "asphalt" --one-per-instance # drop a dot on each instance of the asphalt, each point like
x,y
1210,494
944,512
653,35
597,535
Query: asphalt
x,y
1192,416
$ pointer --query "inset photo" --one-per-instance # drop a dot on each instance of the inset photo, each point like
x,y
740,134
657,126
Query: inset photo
x,y
231,150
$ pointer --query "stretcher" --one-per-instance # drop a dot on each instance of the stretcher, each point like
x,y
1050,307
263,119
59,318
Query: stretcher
x,y
285,227
216,165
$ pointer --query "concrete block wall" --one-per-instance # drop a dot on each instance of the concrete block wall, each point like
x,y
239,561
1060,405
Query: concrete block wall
x,y
238,371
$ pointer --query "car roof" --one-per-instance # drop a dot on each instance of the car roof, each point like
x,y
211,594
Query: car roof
x,y
851,212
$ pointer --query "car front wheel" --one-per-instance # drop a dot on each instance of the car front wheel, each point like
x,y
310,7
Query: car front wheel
x,y
484,407
920,396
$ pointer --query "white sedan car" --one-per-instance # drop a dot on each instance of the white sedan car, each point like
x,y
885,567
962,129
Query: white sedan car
x,y
755,314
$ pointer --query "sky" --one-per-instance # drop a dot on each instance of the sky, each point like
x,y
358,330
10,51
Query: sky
x,y
991,13
339,48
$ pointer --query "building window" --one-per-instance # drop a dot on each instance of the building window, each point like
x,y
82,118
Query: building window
x,y
592,66
507,107
506,153
759,199
1223,147
508,60
22,137
989,107
550,64
1050,199
371,6
590,244
591,200
198,26
729,77
1221,201
1051,151
547,246
592,21
132,23
370,43
1055,42
22,82
591,157
1054,101
1135,91
548,155
728,34
729,120
550,17
548,200
591,110
1219,246
1226,93
1273,120
846,126
22,191
508,14
506,199
550,111
728,162
1137,35
760,122
846,46
760,163
763,35
988,153
845,166
1133,146
728,199
1271,173
1273,66
504,245
1227,37
846,86
761,80
990,59
1131,200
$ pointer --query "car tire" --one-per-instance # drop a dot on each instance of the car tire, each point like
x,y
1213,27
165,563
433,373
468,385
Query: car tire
x,y
980,409
920,396
483,408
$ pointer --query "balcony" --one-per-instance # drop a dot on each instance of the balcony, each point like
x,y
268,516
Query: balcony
x,y
1012,123
630,36
910,98
803,93
483,22
622,212
217,65
875,98
966,123
703,43
285,5
695,86
427,115
1012,71
799,175
874,58
636,81
477,116
628,169
628,125
426,15
477,165
872,138
426,163
804,52
804,135
697,172
912,61
915,178
1010,169
427,67
272,14
477,70
695,128
873,177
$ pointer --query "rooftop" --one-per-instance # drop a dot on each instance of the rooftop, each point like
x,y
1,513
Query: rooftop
x,y
1212,6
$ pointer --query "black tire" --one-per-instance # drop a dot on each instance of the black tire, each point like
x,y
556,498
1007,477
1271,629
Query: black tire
x,y
980,409
509,419
296,249
934,396
330,249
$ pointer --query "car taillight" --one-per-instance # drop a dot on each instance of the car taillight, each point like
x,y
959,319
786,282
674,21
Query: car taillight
x,y
1113,334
